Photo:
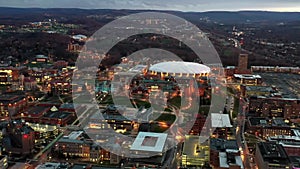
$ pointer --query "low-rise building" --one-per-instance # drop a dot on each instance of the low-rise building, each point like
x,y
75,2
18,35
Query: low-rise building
x,y
195,153
270,155
148,149
291,144
248,91
264,128
230,161
58,118
247,79
221,123
76,145
287,108
224,154
49,165
11,104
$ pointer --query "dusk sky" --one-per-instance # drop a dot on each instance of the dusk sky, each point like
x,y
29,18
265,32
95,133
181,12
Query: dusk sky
x,y
181,5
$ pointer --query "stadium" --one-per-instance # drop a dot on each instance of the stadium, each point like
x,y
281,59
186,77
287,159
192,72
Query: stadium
x,y
179,69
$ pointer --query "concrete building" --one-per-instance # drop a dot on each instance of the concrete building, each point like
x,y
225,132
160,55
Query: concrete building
x,y
248,91
291,144
221,123
224,154
270,155
148,149
194,153
230,161
247,79
76,145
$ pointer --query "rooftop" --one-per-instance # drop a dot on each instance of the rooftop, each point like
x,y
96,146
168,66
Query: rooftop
x,y
67,106
52,166
75,134
259,88
261,121
151,142
10,98
225,162
223,145
41,127
180,67
247,76
295,160
220,120
41,57
37,109
273,153
138,68
57,114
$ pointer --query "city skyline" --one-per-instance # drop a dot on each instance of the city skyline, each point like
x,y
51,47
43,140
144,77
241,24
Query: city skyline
x,y
186,6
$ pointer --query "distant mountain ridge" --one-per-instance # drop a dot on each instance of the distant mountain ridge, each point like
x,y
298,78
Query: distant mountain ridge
x,y
219,16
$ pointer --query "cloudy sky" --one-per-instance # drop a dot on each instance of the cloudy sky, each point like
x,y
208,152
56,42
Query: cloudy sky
x,y
181,5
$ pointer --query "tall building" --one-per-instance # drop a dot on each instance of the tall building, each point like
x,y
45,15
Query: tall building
x,y
243,62
18,139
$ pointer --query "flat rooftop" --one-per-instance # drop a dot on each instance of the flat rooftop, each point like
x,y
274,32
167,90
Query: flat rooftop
x,y
42,127
57,114
273,153
225,163
261,121
259,88
148,141
49,165
190,146
37,109
223,145
75,134
220,120
258,121
138,68
247,76
10,98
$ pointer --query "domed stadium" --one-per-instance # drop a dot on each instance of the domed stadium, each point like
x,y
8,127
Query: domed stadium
x,y
179,69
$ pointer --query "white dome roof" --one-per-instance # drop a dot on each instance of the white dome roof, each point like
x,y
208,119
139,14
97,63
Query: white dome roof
x,y
180,67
